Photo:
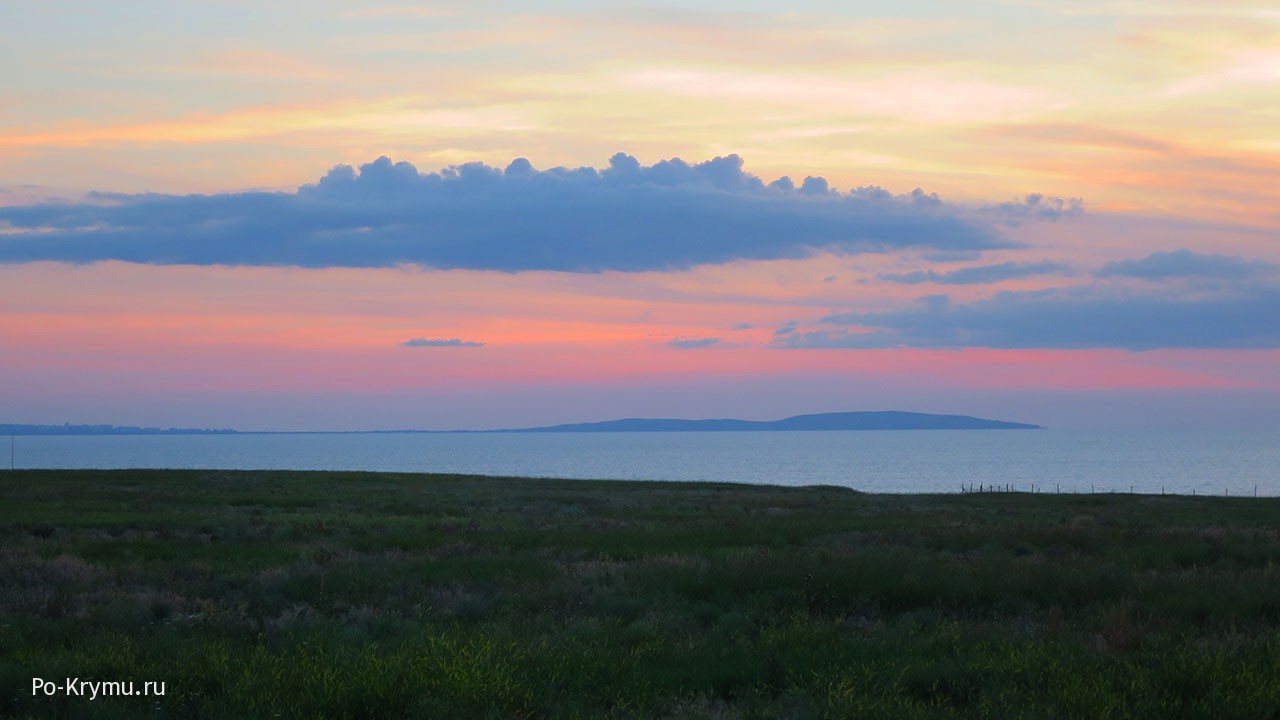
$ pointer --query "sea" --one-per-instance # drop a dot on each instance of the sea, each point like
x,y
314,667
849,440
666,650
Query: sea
x,y
1232,463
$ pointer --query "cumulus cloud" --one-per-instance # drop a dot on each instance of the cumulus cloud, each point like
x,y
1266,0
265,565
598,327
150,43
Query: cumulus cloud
x,y
1187,264
982,274
628,217
1090,316
441,342
690,343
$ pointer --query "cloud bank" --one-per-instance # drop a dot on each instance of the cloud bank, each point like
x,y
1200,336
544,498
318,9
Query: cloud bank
x,y
1188,264
1186,300
982,274
1089,316
627,217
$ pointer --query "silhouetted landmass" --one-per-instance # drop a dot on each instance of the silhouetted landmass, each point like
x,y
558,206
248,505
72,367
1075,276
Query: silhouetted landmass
x,y
881,420
886,420
68,429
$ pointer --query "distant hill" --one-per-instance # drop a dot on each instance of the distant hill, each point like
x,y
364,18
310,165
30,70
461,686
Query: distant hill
x,y
68,429
886,420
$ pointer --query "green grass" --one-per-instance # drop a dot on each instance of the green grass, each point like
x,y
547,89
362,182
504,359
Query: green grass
x,y
350,595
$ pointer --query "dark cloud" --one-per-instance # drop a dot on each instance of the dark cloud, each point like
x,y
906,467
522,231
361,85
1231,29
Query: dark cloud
x,y
690,343
434,342
982,274
629,217
1090,316
1188,264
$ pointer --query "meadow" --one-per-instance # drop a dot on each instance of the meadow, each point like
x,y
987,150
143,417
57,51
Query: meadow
x,y
357,595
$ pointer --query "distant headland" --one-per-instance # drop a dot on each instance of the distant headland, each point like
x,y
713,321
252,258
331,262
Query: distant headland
x,y
69,429
882,420
878,420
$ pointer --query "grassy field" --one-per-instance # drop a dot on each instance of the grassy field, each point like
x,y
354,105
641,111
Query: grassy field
x,y
310,595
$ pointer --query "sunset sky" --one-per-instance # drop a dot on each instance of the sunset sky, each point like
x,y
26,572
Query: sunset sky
x,y
339,216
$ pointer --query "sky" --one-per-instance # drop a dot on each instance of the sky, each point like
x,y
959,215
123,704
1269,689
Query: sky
x,y
329,215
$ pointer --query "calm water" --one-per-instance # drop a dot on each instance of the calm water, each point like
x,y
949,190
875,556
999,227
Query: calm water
x,y
913,461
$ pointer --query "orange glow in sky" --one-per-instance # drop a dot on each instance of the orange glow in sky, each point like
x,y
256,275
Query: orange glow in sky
x,y
1105,221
